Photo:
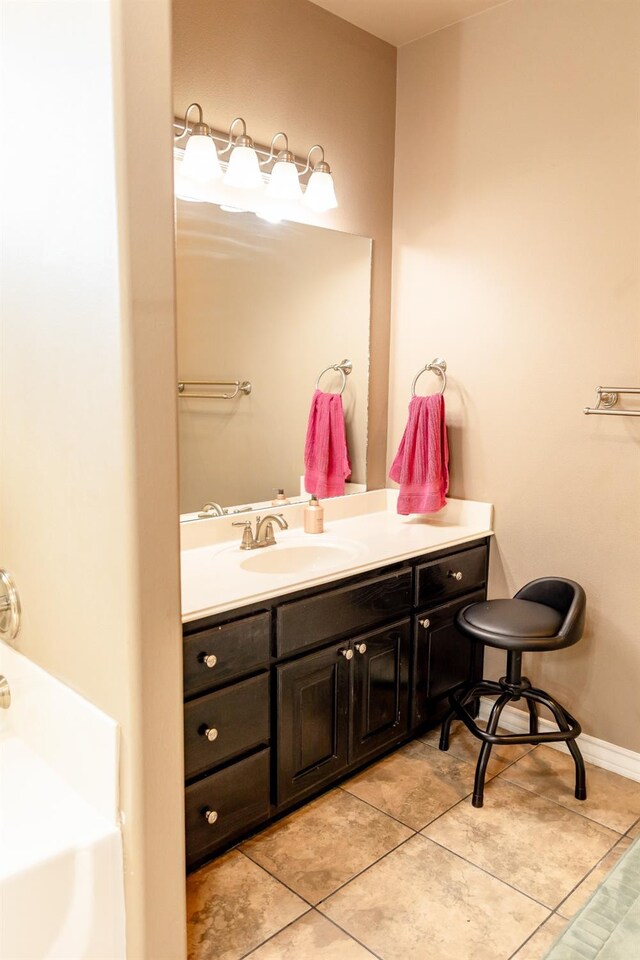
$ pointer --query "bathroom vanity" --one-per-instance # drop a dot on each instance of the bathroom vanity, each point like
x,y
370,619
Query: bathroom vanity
x,y
322,668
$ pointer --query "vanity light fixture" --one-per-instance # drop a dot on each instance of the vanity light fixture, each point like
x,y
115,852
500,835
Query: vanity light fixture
x,y
320,194
273,194
243,170
200,161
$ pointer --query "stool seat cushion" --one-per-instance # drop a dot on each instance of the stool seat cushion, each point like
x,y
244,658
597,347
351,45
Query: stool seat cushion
x,y
511,624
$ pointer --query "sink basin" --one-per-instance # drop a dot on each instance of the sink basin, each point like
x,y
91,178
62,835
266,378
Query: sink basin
x,y
297,557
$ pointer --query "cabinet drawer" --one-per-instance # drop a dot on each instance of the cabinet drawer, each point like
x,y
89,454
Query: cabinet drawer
x,y
336,613
456,574
237,719
239,795
230,650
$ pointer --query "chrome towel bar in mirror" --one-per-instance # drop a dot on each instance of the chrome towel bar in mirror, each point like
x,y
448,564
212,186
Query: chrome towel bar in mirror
x,y
243,386
343,368
437,366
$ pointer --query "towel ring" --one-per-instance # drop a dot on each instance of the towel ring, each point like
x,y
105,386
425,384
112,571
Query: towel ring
x,y
437,366
343,368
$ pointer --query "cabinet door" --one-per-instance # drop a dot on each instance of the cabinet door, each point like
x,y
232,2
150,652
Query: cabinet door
x,y
442,658
313,704
380,703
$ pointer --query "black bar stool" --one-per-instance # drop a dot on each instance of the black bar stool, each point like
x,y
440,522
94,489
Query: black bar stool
x,y
546,614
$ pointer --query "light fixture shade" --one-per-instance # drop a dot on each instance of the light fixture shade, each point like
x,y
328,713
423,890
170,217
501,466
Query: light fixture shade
x,y
284,183
243,170
200,160
320,194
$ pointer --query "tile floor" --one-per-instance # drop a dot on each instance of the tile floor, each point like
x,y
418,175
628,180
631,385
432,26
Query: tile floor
x,y
396,863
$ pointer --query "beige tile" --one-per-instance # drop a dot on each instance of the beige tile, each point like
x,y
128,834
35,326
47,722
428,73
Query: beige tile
x,y
465,746
611,799
422,901
537,946
312,937
414,784
532,843
576,900
233,906
321,846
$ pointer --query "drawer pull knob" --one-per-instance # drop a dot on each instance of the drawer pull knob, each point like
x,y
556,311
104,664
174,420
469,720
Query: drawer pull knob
x,y
425,623
361,647
347,654
210,816
210,733
209,660
455,574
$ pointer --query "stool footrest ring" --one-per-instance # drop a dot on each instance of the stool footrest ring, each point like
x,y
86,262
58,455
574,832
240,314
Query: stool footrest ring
x,y
568,728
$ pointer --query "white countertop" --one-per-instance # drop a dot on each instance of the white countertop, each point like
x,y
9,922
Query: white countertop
x,y
366,524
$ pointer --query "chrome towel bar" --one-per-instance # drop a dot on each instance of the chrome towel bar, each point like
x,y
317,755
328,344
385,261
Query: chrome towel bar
x,y
243,386
607,397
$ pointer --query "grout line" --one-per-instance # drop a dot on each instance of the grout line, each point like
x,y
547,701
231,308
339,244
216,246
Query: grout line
x,y
489,874
530,937
373,806
634,824
271,937
273,877
350,935
587,874
364,870
558,803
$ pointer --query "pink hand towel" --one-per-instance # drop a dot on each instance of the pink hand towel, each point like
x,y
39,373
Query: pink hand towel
x,y
326,460
421,466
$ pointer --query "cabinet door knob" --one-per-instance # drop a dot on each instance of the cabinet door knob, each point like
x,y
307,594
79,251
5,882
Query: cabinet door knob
x,y
210,816
209,660
455,574
361,647
425,623
347,654
210,733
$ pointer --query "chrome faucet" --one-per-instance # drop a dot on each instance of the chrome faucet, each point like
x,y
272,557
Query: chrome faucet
x,y
212,509
264,531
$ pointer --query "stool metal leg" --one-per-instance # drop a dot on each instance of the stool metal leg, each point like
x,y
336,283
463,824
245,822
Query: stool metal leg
x,y
474,691
561,715
533,716
485,750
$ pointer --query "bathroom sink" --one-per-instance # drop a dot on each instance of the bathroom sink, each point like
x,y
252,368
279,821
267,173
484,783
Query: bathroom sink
x,y
297,557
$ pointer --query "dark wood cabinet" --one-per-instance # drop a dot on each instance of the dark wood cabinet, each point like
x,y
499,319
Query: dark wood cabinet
x,y
442,658
284,698
380,698
312,707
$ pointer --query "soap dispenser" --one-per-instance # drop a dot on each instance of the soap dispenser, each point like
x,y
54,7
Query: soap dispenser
x,y
280,500
314,516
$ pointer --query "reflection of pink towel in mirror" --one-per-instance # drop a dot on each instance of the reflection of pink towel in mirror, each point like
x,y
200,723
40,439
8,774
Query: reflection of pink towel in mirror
x,y
421,465
326,460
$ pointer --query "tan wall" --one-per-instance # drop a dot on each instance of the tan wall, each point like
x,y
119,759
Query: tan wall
x,y
289,65
88,524
516,257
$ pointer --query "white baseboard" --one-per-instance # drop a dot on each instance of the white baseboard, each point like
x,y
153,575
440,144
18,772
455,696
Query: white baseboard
x,y
599,752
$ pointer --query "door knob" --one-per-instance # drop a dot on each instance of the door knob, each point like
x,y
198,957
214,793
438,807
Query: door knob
x,y
455,574
9,607
210,816
361,647
347,654
425,623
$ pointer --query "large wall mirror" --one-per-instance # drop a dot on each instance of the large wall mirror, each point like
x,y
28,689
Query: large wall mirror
x,y
271,305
